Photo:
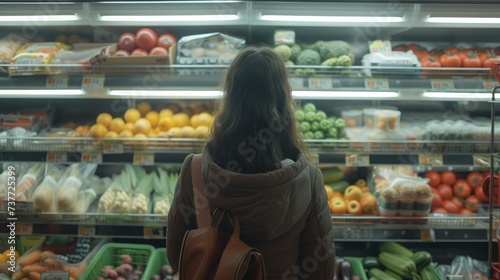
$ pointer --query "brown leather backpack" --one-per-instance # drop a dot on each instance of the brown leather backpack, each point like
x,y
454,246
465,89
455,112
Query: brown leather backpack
x,y
208,253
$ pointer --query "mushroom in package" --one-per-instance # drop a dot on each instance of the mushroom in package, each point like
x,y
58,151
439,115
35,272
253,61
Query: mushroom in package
x,y
212,48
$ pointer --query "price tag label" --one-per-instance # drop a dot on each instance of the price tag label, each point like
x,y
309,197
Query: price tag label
x,y
86,230
442,84
296,83
54,276
482,160
430,160
112,147
92,157
57,81
377,83
365,234
144,159
427,235
24,206
154,232
490,84
357,160
57,157
320,83
24,228
93,81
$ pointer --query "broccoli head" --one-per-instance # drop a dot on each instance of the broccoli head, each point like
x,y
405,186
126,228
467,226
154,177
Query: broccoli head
x,y
296,49
309,57
333,49
283,51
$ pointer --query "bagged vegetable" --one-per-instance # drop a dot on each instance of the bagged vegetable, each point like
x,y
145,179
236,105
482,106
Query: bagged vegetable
x,y
9,45
67,194
164,185
35,54
93,188
118,197
28,181
212,48
43,195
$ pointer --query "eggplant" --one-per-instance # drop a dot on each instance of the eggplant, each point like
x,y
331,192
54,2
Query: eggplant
x,y
346,271
338,265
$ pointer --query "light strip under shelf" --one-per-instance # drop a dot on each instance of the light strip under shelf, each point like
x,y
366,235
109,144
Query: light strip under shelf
x,y
457,95
179,94
345,94
333,19
169,18
42,17
462,20
41,92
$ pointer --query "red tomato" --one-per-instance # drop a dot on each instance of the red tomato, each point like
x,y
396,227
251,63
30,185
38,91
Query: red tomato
x,y
451,207
472,60
448,177
434,178
475,179
462,189
452,49
430,61
458,202
435,191
479,193
445,191
400,48
436,201
490,59
450,60
466,211
482,55
472,203
440,210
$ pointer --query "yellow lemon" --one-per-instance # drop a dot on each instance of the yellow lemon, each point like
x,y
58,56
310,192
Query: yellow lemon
x,y
181,120
104,119
174,132
166,113
144,108
117,125
97,131
129,126
201,131
166,123
188,132
204,119
153,118
142,126
126,134
132,115
194,121
111,134
152,134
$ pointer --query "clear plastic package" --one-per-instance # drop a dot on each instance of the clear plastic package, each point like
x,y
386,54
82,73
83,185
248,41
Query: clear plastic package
x,y
352,118
9,45
35,53
397,140
369,117
406,60
354,134
212,48
377,137
387,120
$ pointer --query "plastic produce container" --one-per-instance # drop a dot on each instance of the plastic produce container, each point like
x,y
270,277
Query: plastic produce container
x,y
110,254
352,118
387,120
376,136
397,140
415,133
356,134
369,117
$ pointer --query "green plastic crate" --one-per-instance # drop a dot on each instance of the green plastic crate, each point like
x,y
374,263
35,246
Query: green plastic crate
x,y
158,259
357,267
110,254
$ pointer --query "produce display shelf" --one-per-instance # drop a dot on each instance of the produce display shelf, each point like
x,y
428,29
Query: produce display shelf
x,y
346,228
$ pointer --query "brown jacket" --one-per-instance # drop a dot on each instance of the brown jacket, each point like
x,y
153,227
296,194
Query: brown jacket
x,y
283,213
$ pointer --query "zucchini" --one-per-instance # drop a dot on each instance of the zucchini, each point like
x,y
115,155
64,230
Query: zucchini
x,y
422,260
377,273
393,274
371,262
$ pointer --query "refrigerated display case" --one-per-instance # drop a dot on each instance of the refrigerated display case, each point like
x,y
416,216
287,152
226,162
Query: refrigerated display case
x,y
443,121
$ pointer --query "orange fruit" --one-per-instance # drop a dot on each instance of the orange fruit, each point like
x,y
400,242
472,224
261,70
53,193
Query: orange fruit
x,y
354,207
353,193
201,131
153,118
129,126
144,108
126,134
132,115
175,132
152,134
329,192
97,130
338,207
204,119
188,132
104,119
117,125
142,126
111,134
166,113
165,123
194,121
368,203
338,194
181,120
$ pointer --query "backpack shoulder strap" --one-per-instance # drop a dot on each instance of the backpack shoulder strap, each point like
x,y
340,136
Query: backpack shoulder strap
x,y
199,195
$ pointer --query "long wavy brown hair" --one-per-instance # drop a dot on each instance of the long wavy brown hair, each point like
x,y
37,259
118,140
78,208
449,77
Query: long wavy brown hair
x,y
255,127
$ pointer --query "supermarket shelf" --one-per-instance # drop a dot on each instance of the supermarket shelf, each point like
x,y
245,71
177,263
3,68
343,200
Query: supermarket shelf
x,y
155,151
431,229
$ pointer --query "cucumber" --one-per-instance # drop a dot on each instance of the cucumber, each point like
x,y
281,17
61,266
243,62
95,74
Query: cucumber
x,y
371,262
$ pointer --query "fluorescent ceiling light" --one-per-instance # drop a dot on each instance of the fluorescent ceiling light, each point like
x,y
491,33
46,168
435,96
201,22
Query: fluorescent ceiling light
x,y
461,20
457,95
340,19
345,94
45,17
171,18
44,92
192,94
